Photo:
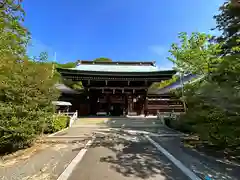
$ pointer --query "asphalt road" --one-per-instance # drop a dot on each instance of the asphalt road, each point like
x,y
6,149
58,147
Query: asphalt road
x,y
200,164
122,156
117,155
43,162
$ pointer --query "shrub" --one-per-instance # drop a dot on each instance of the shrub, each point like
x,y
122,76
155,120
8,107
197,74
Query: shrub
x,y
25,101
180,126
59,122
18,127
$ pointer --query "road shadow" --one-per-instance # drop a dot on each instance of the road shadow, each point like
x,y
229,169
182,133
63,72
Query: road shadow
x,y
138,122
200,164
118,122
136,157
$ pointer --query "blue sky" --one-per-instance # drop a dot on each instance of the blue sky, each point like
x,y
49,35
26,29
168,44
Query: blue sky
x,y
125,30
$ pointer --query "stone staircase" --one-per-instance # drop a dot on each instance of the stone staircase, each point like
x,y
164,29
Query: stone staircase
x,y
118,122
133,122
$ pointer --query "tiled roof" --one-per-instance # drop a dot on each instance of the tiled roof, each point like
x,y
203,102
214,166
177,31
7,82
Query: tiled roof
x,y
116,68
186,79
64,89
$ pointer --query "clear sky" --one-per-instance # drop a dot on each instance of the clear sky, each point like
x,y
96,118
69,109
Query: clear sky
x,y
125,30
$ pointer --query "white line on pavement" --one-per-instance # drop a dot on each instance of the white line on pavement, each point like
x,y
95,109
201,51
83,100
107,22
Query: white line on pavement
x,y
180,165
139,132
153,134
68,171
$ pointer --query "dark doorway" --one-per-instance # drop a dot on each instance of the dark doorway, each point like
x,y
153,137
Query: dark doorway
x,y
116,109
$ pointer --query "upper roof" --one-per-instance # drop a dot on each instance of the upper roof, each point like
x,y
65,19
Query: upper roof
x,y
147,63
119,66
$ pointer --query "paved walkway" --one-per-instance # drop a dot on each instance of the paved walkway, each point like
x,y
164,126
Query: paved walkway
x,y
121,156
116,154
117,122
198,163
41,162
127,154
47,159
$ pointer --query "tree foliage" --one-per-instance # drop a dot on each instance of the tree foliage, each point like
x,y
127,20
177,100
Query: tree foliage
x,y
72,84
196,54
228,22
165,83
213,104
27,87
26,101
13,36
102,59
76,85
67,65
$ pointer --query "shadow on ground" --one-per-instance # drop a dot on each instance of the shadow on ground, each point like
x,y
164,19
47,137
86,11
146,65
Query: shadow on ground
x,y
200,164
117,122
135,157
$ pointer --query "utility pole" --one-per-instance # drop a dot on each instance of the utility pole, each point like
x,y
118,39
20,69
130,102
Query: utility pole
x,y
181,79
182,88
55,60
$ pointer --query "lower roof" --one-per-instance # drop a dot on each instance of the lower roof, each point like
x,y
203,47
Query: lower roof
x,y
61,103
64,89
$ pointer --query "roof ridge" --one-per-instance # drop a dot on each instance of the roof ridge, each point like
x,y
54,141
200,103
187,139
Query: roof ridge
x,y
145,63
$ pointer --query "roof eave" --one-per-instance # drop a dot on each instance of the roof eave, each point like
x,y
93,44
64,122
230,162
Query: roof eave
x,y
149,73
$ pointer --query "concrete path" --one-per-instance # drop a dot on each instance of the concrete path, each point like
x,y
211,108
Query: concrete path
x,y
200,164
47,159
117,122
41,162
129,153
122,156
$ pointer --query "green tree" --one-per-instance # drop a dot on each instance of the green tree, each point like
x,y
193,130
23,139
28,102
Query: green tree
x,y
43,57
228,22
213,108
164,83
67,65
27,87
13,36
213,103
78,85
102,59
25,100
72,84
195,54
227,74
